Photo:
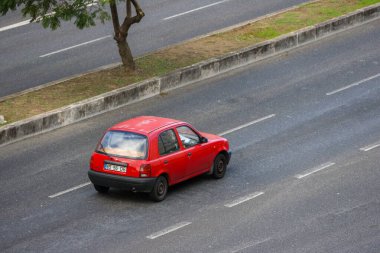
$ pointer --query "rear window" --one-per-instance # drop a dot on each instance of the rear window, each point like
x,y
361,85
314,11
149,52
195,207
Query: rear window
x,y
125,144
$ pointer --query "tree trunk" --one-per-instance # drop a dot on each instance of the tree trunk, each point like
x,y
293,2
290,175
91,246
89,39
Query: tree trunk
x,y
121,32
125,53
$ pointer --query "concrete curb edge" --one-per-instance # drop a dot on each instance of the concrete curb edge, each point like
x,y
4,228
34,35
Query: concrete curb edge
x,y
181,77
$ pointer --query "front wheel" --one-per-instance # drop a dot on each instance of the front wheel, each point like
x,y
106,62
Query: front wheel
x,y
220,166
160,189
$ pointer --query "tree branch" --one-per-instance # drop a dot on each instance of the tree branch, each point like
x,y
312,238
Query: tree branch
x,y
129,9
128,21
115,19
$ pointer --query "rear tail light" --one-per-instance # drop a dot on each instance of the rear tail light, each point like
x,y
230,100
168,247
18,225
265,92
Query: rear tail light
x,y
145,170
92,162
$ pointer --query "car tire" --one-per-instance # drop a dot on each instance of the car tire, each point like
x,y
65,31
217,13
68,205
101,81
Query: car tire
x,y
220,166
160,189
101,189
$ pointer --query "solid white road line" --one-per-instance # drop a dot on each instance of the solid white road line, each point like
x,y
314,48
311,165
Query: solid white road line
x,y
370,147
168,230
197,9
69,190
15,25
82,44
244,199
247,124
353,85
316,169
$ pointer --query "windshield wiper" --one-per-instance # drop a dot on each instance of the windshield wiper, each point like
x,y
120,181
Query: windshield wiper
x,y
102,147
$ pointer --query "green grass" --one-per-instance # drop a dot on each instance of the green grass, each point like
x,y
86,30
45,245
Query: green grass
x,y
260,33
169,59
363,3
291,18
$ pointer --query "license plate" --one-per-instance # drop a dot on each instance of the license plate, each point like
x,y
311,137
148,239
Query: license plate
x,y
114,167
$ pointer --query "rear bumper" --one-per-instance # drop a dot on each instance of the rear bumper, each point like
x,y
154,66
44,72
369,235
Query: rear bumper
x,y
126,183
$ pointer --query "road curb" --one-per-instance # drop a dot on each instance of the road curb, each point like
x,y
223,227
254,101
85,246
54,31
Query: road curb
x,y
181,77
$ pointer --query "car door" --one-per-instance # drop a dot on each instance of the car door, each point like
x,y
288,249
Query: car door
x,y
195,150
172,158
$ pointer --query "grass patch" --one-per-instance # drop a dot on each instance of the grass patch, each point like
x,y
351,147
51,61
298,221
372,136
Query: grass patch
x,y
174,57
364,3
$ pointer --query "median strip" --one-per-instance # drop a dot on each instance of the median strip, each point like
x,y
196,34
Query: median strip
x,y
51,106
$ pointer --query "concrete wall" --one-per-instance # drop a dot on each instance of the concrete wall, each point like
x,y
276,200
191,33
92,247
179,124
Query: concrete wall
x,y
139,91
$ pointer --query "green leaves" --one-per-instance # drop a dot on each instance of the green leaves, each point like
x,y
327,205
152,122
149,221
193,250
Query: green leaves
x,y
50,22
84,20
6,5
51,12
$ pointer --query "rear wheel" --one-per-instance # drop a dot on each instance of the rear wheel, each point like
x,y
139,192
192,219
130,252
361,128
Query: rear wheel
x,y
160,189
220,166
101,189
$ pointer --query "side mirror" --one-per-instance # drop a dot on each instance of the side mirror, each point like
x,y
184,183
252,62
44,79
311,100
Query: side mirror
x,y
203,140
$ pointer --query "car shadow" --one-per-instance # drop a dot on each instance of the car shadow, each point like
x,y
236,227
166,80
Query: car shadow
x,y
190,185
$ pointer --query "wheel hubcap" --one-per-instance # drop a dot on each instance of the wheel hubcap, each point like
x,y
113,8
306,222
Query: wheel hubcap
x,y
220,167
161,188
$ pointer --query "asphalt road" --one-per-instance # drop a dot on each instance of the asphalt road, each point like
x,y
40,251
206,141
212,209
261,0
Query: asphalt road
x,y
307,175
22,65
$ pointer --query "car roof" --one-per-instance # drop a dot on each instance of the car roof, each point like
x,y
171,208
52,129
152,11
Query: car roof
x,y
144,124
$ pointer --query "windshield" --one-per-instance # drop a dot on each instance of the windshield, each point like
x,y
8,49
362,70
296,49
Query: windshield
x,y
124,144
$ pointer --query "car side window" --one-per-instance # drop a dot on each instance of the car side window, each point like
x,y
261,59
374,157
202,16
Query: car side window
x,y
167,142
188,137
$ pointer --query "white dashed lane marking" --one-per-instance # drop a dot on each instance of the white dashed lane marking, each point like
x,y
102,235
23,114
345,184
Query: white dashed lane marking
x,y
25,22
249,245
69,190
370,147
196,9
8,27
314,170
244,199
79,45
353,85
168,230
247,125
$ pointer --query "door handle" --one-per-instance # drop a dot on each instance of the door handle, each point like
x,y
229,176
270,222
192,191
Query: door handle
x,y
166,162
189,154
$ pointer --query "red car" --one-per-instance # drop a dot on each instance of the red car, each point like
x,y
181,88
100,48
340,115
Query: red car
x,y
148,154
